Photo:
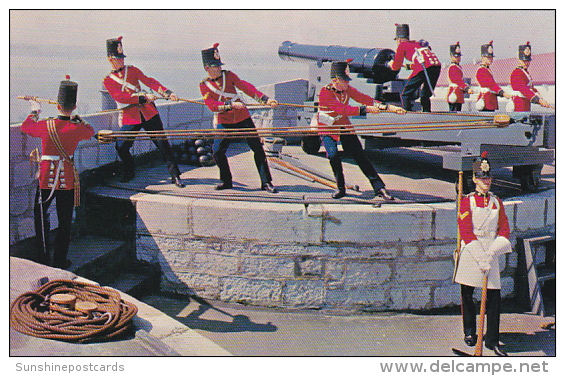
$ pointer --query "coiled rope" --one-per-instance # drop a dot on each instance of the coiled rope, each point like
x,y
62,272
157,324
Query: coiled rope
x,y
33,313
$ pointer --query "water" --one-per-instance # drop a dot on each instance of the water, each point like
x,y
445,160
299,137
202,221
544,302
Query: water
x,y
38,70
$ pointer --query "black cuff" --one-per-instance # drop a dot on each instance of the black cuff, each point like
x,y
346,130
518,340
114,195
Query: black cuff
x,y
226,107
500,93
167,93
362,110
264,99
142,99
535,99
466,90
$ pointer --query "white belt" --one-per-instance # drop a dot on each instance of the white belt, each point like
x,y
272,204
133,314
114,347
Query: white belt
x,y
517,94
484,234
453,85
124,82
53,157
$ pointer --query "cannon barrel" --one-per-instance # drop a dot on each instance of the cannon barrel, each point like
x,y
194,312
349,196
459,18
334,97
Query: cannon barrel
x,y
367,61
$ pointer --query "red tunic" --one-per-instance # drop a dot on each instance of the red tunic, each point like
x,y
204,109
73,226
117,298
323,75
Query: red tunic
x,y
222,92
70,133
524,90
336,105
407,49
489,88
457,86
465,222
125,95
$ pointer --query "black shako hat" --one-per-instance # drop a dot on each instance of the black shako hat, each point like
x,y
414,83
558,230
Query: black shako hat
x,y
487,50
211,56
402,31
481,166
525,52
455,49
114,47
340,69
67,97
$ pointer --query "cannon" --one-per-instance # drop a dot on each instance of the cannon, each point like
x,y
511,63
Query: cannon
x,y
369,62
368,68
526,145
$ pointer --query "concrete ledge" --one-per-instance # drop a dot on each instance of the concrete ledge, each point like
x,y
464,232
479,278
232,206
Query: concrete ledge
x,y
331,256
157,334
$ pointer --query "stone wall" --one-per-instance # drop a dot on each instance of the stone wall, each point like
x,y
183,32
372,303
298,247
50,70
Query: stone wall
x,y
331,256
91,154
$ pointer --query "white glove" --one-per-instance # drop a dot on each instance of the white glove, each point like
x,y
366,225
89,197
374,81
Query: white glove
x,y
500,246
481,256
35,106
484,263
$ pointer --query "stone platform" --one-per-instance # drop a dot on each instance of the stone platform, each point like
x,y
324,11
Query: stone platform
x,y
301,249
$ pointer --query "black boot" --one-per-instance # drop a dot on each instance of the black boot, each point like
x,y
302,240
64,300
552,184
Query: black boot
x,y
223,185
470,340
269,188
496,348
339,193
176,181
383,193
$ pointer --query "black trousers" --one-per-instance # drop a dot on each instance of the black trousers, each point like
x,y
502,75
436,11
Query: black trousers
x,y
65,205
221,146
469,313
123,146
412,85
454,107
352,146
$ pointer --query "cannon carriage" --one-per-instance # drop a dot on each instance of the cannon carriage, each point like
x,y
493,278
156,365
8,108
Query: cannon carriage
x,y
525,145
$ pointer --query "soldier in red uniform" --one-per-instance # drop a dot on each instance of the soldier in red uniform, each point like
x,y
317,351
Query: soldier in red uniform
x,y
484,231
58,178
457,86
522,83
424,64
334,115
487,100
139,111
220,95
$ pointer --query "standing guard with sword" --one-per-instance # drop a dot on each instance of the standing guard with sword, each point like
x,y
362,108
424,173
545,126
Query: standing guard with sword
x,y
484,231
334,115
221,97
424,64
58,177
138,109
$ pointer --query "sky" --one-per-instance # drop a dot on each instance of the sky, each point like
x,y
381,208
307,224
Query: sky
x,y
249,35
